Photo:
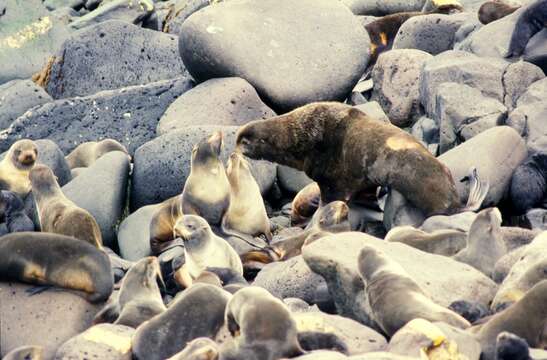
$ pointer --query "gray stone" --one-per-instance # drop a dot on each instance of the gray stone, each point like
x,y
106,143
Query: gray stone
x,y
383,7
162,165
537,218
520,78
182,9
293,53
292,180
426,130
101,189
374,110
130,11
396,85
102,341
134,233
100,57
290,278
227,101
457,281
432,33
57,4
47,319
463,112
129,115
18,96
29,35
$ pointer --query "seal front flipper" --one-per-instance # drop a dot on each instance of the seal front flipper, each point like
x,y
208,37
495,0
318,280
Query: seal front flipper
x,y
478,189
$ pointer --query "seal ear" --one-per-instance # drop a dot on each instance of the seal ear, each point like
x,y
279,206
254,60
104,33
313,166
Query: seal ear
x,y
216,141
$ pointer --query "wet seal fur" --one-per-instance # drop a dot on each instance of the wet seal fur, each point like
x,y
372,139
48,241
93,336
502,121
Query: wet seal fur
x,y
395,298
57,260
139,298
57,213
532,20
347,152
16,165
529,184
12,212
84,155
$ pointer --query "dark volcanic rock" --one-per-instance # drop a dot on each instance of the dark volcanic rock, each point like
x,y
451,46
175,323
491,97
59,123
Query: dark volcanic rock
x,y
129,115
18,96
292,52
112,55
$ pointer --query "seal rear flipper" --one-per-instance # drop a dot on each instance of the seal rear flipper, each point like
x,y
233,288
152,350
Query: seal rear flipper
x,y
478,189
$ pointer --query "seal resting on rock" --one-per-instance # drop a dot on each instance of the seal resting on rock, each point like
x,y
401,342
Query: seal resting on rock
x,y
16,165
87,153
347,152
494,10
529,183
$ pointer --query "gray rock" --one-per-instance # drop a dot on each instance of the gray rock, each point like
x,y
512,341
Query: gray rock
x,y
101,189
426,130
102,341
396,85
182,9
292,180
374,110
162,165
129,115
29,35
520,78
134,12
57,4
47,319
457,281
383,7
100,57
399,212
18,96
293,53
432,33
463,112
134,233
290,278
495,153
537,218
227,101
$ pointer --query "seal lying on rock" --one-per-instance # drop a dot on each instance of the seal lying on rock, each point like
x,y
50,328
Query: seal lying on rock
x,y
87,153
15,167
529,184
530,22
346,152
494,10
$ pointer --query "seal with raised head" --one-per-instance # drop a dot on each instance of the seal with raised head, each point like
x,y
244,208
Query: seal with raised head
x,y
12,212
57,213
347,152
16,165
84,155
494,10
395,298
139,298
57,260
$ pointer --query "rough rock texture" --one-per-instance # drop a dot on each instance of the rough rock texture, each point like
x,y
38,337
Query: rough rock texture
x,y
396,85
101,189
47,319
129,115
134,233
457,281
227,101
162,165
112,55
18,96
285,47
522,77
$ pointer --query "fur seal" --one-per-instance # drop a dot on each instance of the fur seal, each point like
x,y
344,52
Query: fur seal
x,y
57,213
529,184
494,10
198,349
347,152
529,22
57,260
485,245
305,204
527,319
27,352
85,154
139,298
443,242
16,165
262,326
162,224
196,312
12,212
394,296
511,347
246,213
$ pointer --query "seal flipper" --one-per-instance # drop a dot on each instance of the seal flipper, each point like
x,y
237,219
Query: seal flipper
x,y
478,189
35,290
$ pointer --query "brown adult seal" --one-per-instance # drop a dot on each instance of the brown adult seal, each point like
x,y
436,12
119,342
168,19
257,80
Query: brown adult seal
x,y
16,165
494,10
346,152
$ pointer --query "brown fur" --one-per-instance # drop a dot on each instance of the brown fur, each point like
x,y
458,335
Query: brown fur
x,y
42,78
162,224
87,153
346,152
304,204
494,10
16,165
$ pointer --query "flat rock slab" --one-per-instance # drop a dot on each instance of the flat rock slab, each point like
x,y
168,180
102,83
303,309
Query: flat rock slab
x,y
292,52
129,115
112,55
18,96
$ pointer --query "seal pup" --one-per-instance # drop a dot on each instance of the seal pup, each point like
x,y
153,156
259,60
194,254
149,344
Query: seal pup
x,y
530,22
139,298
16,165
12,212
246,213
494,10
27,352
305,204
198,349
162,225
57,213
529,184
202,248
195,312
485,245
443,242
262,326
85,154
346,152
511,347
527,319
57,260
395,298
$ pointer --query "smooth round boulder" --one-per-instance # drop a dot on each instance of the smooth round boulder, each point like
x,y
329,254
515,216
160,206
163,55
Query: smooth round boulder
x,y
292,52
134,233
18,96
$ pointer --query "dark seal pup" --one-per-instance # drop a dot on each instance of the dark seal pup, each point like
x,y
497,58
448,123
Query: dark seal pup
x,y
529,184
57,260
346,152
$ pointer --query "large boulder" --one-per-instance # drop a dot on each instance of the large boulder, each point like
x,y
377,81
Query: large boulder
x,y
227,101
18,96
112,55
129,115
292,52
180,11
457,281
162,165
134,233
522,77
